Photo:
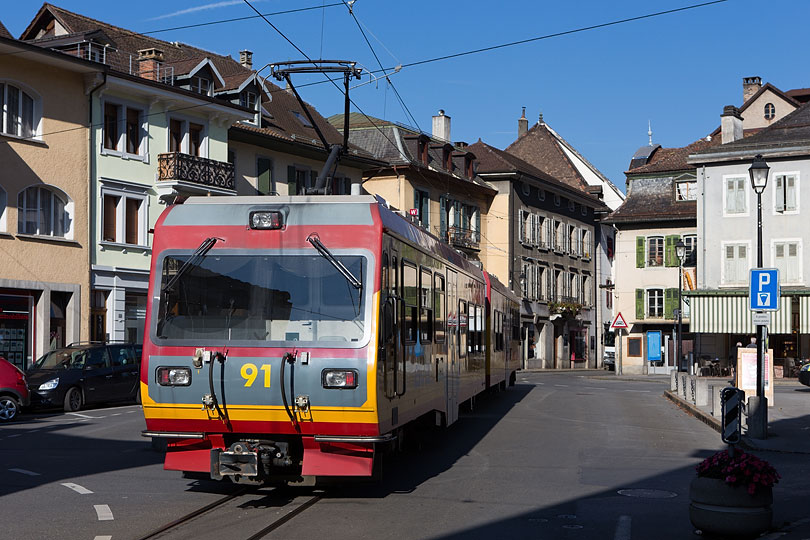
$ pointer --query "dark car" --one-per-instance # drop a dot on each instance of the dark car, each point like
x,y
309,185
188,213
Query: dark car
x,y
804,374
81,374
13,391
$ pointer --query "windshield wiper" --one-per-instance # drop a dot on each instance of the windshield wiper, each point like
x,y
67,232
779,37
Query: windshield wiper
x,y
204,248
316,243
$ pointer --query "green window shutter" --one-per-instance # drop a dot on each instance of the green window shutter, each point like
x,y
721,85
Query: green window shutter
x,y
639,304
443,217
670,257
292,189
641,251
670,303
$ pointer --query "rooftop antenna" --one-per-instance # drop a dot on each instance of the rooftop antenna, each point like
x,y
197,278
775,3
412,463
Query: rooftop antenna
x,y
649,131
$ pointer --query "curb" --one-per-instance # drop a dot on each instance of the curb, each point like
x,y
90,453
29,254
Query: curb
x,y
692,410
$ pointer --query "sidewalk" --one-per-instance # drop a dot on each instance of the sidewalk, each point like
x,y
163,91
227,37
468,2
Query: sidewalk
x,y
787,448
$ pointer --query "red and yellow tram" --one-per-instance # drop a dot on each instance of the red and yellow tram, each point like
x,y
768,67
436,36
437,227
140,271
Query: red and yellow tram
x,y
290,338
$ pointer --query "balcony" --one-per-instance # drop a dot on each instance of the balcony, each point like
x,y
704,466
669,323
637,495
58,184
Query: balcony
x,y
187,175
464,238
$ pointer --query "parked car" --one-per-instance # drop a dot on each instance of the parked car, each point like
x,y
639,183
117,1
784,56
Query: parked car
x,y
13,391
804,374
85,373
609,359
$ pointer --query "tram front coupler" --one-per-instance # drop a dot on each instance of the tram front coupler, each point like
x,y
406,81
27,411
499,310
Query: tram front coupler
x,y
250,461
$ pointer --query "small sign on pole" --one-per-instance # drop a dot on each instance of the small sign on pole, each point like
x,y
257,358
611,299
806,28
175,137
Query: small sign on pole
x,y
619,322
760,318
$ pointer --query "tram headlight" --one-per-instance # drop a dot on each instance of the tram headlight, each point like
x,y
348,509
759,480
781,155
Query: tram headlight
x,y
173,376
339,378
266,220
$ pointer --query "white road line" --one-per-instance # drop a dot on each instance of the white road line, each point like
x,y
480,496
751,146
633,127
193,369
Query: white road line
x,y
80,415
103,537
595,387
23,471
32,431
15,435
116,414
642,391
623,528
103,512
562,385
77,488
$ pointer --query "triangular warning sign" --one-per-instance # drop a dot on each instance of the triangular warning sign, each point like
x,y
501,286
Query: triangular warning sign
x,y
619,322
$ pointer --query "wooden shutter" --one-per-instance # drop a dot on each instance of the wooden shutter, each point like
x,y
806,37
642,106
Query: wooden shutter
x,y
292,188
521,227
641,251
670,257
443,217
670,303
639,304
477,237
780,193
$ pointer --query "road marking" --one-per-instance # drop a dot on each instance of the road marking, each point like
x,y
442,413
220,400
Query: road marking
x,y
562,385
103,538
623,528
77,488
103,512
15,435
32,431
116,414
84,415
636,390
23,471
596,387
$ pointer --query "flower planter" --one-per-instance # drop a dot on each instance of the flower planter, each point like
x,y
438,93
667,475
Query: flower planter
x,y
721,509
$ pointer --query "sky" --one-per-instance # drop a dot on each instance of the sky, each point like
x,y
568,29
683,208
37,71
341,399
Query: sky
x,y
597,88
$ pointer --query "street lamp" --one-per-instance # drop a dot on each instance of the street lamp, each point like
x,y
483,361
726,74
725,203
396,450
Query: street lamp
x,y
758,406
680,252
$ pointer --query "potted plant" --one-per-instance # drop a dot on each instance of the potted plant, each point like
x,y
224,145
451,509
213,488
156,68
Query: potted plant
x,y
732,494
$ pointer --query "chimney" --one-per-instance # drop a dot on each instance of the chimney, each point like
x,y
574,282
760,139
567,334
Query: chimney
x,y
523,124
441,126
751,86
731,128
149,61
246,58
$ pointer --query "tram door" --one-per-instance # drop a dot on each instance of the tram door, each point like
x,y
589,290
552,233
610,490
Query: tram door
x,y
453,378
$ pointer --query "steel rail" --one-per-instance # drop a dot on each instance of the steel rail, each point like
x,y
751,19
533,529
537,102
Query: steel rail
x,y
278,523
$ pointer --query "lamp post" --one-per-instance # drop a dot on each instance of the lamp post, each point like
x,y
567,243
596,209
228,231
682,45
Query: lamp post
x,y
758,405
680,252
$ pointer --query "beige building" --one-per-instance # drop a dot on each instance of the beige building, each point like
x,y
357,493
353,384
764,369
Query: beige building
x,y
45,262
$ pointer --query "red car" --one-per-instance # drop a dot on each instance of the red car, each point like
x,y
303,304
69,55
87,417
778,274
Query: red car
x,y
13,391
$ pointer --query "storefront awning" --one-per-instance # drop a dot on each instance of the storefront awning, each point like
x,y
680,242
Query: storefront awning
x,y
804,314
729,314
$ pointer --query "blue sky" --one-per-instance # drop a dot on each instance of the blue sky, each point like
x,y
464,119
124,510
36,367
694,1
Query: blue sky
x,y
598,88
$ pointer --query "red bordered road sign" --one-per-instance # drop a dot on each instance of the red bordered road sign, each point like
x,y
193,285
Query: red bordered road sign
x,y
619,322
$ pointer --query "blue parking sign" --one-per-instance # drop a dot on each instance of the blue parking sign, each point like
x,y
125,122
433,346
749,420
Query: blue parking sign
x,y
763,292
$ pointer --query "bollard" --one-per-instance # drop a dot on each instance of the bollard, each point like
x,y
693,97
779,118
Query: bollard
x,y
683,383
692,389
673,381
701,392
717,404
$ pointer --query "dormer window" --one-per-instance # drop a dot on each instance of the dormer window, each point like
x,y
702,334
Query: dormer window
x,y
248,99
423,151
201,85
468,166
686,190
301,118
447,159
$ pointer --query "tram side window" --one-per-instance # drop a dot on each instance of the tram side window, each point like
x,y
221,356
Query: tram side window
x,y
515,325
498,330
479,329
438,307
472,329
462,328
410,297
426,306
385,272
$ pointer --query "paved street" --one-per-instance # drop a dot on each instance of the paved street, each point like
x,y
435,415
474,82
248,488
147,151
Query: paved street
x,y
560,455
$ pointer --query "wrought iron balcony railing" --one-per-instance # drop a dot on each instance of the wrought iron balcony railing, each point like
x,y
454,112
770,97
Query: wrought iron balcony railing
x,y
175,166
464,238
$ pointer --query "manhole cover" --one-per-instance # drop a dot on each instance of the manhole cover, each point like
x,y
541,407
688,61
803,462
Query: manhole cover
x,y
647,493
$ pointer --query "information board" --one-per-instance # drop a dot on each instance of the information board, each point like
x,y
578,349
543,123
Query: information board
x,y
745,377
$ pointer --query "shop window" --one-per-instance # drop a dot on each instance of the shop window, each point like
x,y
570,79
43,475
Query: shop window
x,y
15,329
135,316
44,211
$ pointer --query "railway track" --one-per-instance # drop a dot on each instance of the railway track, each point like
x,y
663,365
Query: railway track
x,y
195,523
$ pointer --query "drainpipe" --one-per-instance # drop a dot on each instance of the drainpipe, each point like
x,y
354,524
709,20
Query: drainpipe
x,y
91,187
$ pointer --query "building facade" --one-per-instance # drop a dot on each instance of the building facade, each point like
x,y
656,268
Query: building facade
x,y
44,200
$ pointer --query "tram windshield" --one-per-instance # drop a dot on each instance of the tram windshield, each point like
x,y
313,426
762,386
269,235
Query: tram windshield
x,y
279,298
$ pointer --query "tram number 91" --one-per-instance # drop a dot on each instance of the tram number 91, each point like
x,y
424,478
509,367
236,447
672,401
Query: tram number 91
x,y
250,372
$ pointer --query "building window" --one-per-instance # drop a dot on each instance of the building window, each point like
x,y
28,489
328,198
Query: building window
x,y
527,189
770,111
686,190
556,200
734,195
609,248
573,240
735,263
690,257
341,186
264,176
3,205
201,85
608,293
786,192
541,194
585,245
787,260
655,303
123,216
124,129
248,100
19,112
45,212
421,201
187,137
301,118
655,251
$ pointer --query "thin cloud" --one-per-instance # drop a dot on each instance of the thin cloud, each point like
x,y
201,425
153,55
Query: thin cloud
x,y
204,7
